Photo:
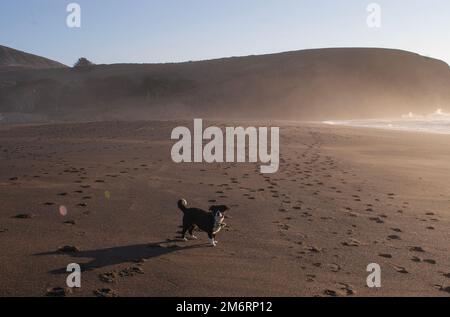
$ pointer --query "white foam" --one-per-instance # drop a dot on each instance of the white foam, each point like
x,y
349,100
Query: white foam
x,y
436,122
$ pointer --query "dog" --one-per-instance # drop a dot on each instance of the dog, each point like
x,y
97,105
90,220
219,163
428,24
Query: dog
x,y
211,221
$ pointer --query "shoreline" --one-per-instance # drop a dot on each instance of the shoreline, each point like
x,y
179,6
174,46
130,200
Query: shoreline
x,y
397,129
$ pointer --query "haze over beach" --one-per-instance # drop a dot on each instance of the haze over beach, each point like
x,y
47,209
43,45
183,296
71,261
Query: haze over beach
x,y
344,83
359,184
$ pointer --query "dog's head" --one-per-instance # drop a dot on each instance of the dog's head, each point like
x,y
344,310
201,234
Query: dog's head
x,y
219,212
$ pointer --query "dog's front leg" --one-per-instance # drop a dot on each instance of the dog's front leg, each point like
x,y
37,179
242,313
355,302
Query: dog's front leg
x,y
212,240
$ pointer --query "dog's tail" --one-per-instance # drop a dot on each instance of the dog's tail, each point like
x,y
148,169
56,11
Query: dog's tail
x,y
182,204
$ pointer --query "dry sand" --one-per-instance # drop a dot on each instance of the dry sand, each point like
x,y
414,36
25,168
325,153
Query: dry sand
x,y
343,198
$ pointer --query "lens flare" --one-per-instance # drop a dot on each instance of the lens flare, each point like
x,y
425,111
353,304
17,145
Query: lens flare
x,y
63,210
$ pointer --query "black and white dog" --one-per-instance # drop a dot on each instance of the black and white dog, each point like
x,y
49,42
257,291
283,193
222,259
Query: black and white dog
x,y
210,222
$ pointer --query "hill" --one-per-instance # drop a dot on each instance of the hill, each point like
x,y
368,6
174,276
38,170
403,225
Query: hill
x,y
322,84
11,59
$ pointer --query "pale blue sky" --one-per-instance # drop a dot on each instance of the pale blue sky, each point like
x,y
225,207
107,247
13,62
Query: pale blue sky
x,y
178,30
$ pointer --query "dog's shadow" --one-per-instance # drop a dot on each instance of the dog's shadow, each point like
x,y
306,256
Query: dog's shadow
x,y
119,255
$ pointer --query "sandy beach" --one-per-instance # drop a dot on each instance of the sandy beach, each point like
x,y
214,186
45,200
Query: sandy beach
x,y
107,192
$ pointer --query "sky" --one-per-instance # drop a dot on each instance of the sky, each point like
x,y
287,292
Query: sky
x,y
153,31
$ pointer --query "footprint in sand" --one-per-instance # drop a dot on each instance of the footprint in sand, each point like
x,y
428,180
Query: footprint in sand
x,y
333,267
56,292
131,271
310,277
347,289
401,269
108,277
376,219
313,249
105,292
417,249
416,259
24,216
284,227
351,243
337,293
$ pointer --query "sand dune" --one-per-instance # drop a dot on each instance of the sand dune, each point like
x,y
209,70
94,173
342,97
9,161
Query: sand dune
x,y
323,84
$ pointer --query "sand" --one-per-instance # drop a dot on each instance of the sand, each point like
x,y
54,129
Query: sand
x,y
104,195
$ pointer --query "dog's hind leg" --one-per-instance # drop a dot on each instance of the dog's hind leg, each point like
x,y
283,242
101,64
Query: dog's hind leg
x,y
183,234
191,233
187,224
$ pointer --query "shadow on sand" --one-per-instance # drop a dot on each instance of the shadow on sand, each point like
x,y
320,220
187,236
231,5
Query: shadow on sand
x,y
119,255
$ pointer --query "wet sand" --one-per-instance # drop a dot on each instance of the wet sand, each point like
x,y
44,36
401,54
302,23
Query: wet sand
x,y
343,198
